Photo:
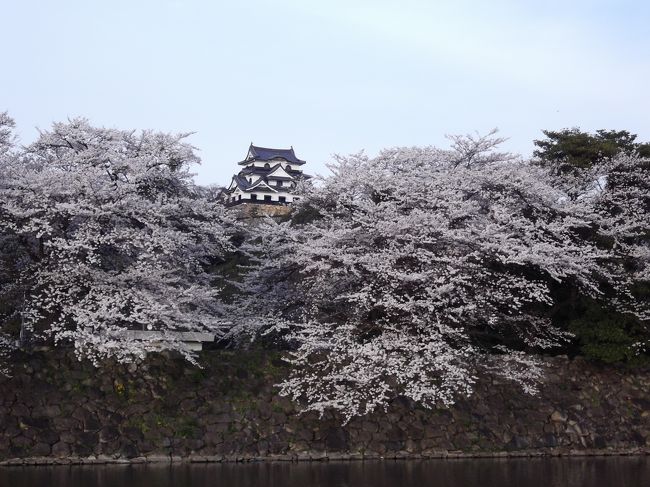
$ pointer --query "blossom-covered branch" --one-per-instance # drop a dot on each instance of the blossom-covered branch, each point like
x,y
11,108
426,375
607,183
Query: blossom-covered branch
x,y
120,239
408,273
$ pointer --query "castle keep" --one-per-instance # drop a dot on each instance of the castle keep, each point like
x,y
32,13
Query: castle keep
x,y
267,176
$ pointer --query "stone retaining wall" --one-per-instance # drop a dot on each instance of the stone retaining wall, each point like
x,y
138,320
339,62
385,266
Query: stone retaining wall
x,y
55,409
248,211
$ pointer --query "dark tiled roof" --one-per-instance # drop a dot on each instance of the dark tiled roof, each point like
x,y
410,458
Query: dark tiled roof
x,y
254,170
242,183
279,178
257,186
264,189
267,154
262,171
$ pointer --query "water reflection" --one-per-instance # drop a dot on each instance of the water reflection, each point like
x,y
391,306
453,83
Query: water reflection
x,y
592,472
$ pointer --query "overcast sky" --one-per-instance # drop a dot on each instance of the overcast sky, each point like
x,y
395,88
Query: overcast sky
x,y
332,76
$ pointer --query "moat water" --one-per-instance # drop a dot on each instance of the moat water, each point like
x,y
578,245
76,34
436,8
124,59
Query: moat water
x,y
523,472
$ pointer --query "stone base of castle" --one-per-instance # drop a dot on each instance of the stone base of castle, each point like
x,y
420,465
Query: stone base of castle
x,y
245,211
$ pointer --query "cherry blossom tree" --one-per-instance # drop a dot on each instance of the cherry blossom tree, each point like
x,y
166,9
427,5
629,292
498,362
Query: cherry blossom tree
x,y
119,239
7,137
614,188
622,207
408,273
7,153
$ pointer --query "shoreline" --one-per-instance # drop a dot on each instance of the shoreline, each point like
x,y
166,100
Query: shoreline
x,y
318,457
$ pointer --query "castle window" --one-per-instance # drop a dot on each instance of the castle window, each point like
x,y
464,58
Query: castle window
x,y
267,197
253,197
282,199
267,166
239,197
250,180
288,167
279,183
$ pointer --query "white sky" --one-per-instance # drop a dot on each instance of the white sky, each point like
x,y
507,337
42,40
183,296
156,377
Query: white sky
x,y
327,77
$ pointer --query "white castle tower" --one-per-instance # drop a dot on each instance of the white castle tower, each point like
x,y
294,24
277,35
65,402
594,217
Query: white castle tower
x,y
268,176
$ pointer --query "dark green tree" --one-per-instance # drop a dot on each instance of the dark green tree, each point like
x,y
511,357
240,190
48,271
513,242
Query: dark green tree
x,y
610,170
569,150
644,150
